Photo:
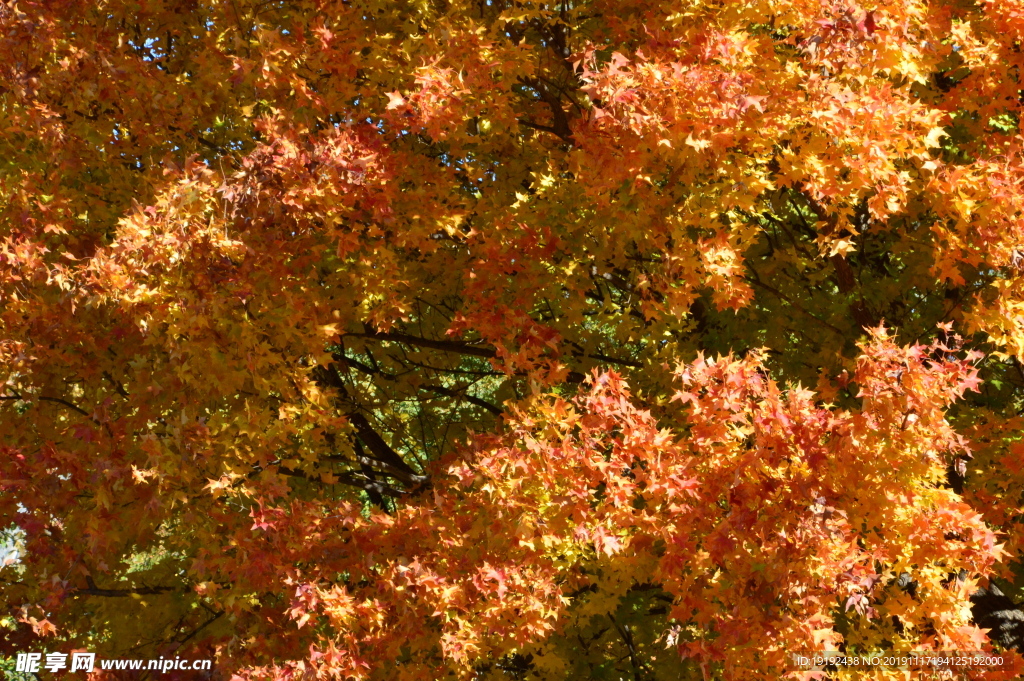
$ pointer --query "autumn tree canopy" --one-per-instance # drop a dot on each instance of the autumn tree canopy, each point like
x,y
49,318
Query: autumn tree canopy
x,y
491,339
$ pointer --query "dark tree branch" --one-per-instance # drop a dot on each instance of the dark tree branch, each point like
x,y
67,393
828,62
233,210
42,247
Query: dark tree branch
x,y
76,408
627,638
69,405
365,482
370,485
782,296
1001,615
117,385
380,450
462,394
539,127
560,119
616,360
464,348
459,347
94,590
216,616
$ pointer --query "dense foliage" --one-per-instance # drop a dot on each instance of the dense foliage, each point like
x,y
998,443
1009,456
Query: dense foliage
x,y
493,339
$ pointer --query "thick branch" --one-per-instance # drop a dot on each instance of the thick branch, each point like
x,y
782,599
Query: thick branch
x,y
540,128
1003,617
459,347
374,489
93,590
464,348
350,478
559,118
67,404
380,450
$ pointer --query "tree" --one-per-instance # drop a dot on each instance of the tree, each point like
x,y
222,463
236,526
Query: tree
x,y
507,340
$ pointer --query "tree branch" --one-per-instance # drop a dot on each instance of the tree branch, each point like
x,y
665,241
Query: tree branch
x,y
627,638
216,616
464,348
350,478
483,404
380,450
459,347
67,404
560,120
782,296
94,590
